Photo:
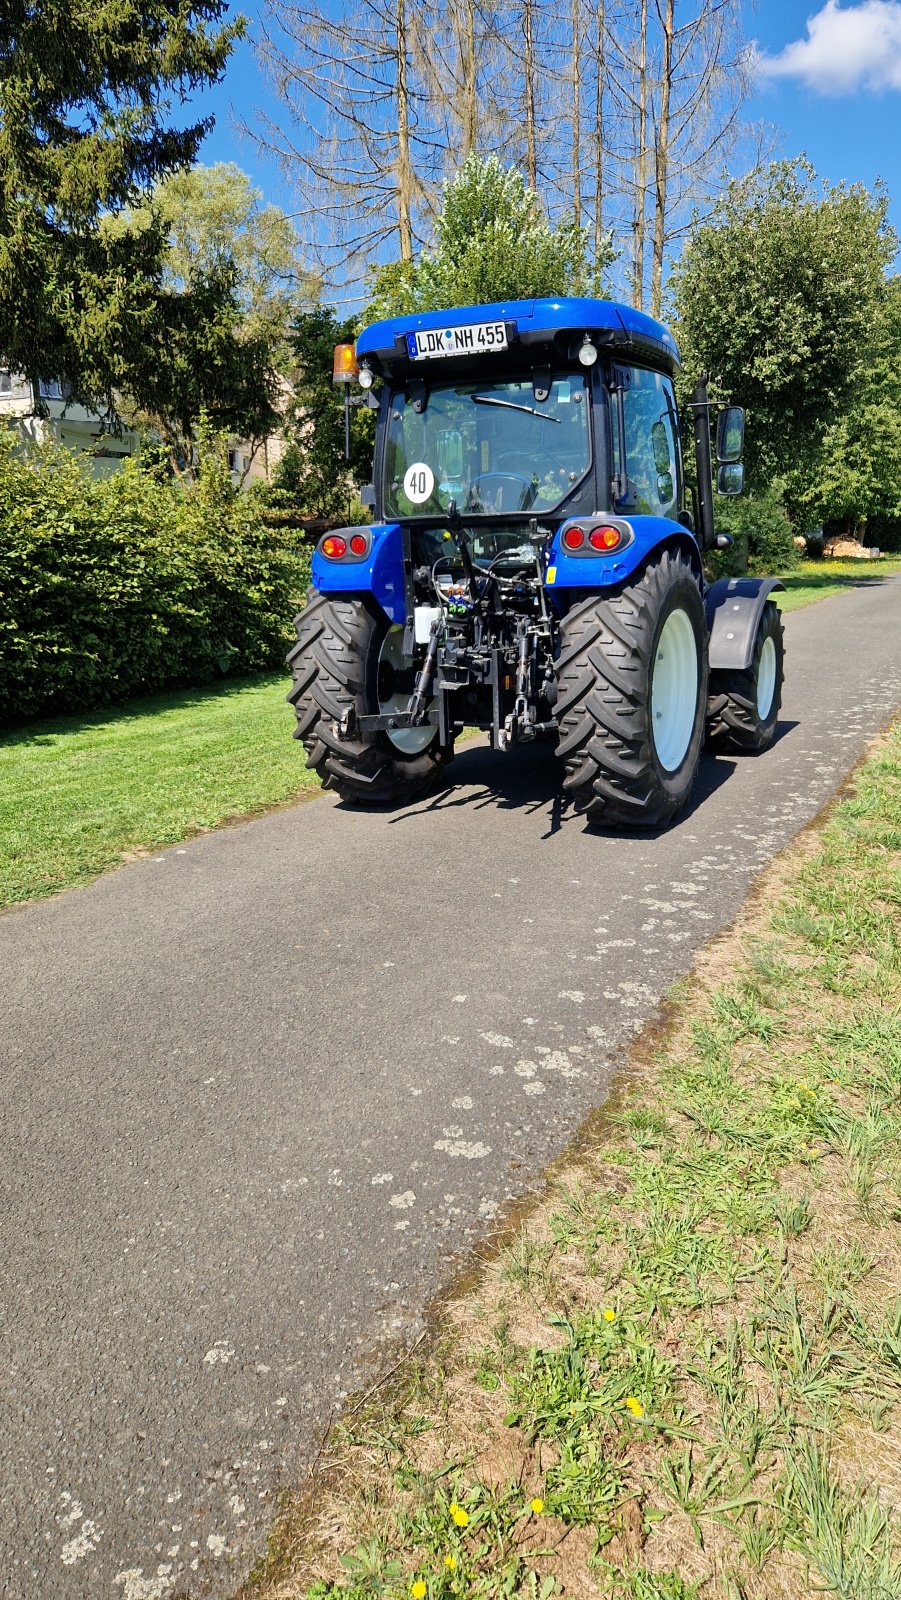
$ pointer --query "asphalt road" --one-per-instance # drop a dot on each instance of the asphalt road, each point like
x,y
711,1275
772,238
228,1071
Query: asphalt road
x,y
257,1092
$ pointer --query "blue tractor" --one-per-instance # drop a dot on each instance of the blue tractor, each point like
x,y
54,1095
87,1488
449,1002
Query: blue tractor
x,y
534,566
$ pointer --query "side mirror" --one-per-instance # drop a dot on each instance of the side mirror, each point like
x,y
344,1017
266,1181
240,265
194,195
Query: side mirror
x,y
730,478
660,442
730,436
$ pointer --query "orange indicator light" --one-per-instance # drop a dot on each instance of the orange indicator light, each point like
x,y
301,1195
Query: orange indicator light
x,y
604,538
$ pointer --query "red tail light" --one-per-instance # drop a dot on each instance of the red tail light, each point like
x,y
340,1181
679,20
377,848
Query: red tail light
x,y
573,538
358,544
605,538
334,546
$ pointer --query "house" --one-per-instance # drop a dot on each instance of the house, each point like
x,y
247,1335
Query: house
x,y
255,461
84,431
70,424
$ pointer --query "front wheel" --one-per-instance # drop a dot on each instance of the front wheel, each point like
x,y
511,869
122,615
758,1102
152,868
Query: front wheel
x,y
632,692
743,708
349,656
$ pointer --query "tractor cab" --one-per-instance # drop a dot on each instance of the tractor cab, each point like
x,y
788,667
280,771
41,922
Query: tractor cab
x,y
516,415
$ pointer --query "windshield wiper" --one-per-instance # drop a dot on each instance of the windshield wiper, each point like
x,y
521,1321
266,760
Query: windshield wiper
x,y
511,405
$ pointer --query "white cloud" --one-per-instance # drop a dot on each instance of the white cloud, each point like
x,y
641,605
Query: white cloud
x,y
846,49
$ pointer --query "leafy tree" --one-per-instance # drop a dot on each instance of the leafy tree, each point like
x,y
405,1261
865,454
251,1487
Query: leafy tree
x,y
314,476
215,222
200,369
232,279
776,297
492,242
85,98
856,484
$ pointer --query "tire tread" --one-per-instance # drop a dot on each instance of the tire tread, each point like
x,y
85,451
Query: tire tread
x,y
602,706
329,668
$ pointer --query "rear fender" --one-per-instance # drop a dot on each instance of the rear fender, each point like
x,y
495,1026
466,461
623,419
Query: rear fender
x,y
647,536
734,607
379,573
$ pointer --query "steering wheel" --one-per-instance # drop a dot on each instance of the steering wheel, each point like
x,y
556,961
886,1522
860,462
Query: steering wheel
x,y
510,491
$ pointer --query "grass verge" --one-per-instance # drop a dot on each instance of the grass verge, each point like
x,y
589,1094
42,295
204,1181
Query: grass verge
x,y
80,794
817,580
680,1376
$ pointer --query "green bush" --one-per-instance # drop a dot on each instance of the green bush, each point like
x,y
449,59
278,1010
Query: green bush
x,y
884,532
761,531
121,586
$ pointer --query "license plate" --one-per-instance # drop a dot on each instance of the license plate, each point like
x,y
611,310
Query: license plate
x,y
475,339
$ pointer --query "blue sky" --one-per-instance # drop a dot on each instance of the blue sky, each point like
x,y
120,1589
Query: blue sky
x,y
830,86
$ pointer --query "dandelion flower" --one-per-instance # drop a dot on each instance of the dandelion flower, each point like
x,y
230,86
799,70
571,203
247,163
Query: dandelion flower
x,y
419,1589
536,1506
451,1563
609,1314
458,1515
635,1406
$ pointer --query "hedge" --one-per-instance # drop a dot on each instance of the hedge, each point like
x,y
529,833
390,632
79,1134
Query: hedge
x,y
130,584
763,535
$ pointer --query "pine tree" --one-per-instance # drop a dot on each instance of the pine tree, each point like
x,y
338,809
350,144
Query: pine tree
x,y
85,99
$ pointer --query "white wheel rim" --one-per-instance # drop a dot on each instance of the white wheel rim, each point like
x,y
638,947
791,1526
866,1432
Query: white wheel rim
x,y
409,741
766,678
674,690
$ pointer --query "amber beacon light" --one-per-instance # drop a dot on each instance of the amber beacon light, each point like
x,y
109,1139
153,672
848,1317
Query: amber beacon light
x,y
344,364
345,370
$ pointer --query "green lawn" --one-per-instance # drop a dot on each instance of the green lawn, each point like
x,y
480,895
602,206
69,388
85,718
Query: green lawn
x,y
817,580
79,794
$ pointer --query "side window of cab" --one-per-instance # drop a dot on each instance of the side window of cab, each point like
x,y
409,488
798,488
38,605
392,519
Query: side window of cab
x,y
652,479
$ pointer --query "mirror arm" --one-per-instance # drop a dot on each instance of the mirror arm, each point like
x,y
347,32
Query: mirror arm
x,y
700,405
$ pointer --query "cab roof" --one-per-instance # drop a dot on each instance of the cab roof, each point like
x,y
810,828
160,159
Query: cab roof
x,y
530,322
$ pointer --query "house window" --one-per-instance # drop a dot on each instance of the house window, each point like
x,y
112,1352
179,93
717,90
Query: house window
x,y
50,389
233,465
6,382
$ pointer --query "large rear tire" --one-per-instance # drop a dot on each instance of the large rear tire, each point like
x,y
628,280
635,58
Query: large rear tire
x,y
342,644
632,693
743,707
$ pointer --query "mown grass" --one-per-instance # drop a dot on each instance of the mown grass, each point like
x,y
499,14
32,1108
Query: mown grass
x,y
816,580
681,1375
80,794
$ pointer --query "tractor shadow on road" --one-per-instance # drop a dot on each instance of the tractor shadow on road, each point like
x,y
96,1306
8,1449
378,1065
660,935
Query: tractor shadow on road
x,y
529,779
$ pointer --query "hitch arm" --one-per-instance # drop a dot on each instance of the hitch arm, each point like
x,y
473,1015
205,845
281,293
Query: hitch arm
x,y
419,699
